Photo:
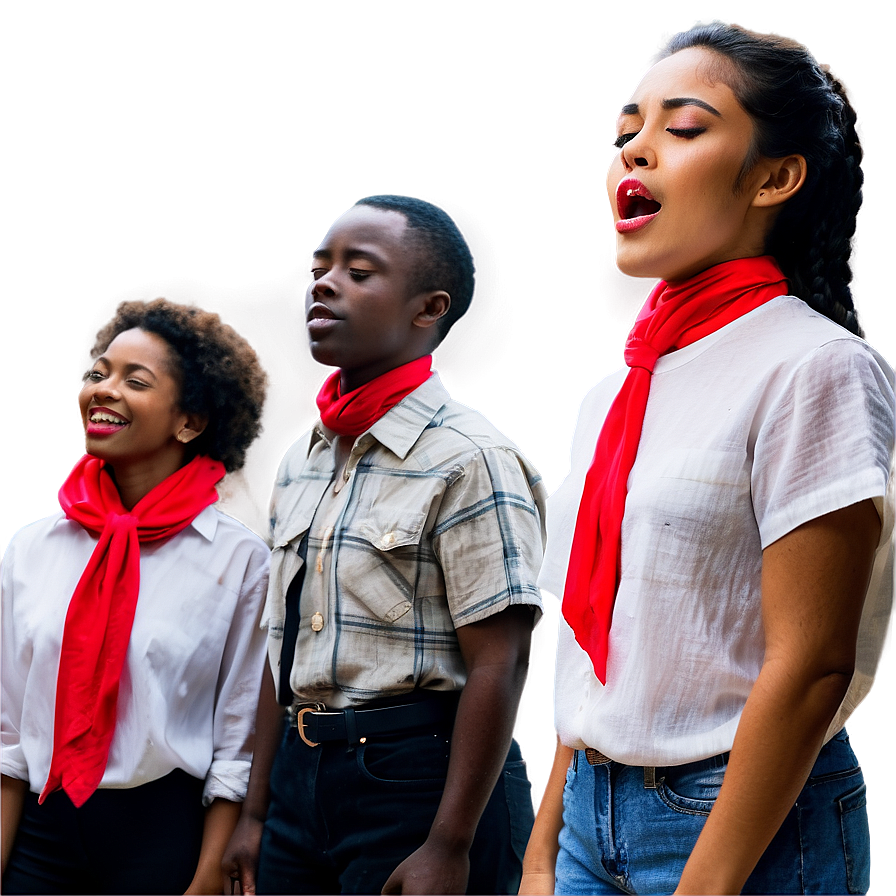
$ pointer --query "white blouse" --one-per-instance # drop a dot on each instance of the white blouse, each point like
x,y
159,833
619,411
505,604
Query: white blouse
x,y
774,420
189,687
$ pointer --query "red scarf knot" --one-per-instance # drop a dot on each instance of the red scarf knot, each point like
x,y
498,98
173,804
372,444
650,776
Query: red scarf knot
x,y
101,612
355,412
674,316
639,353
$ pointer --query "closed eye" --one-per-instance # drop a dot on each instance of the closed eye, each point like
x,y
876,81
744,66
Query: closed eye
x,y
622,139
686,133
359,274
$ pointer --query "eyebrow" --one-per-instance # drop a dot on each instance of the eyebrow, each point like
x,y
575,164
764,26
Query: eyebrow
x,y
675,103
128,368
365,254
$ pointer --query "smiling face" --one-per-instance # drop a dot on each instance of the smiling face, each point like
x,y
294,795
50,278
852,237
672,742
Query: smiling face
x,y
683,139
363,314
130,407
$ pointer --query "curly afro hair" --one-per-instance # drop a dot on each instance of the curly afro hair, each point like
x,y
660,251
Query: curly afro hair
x,y
220,375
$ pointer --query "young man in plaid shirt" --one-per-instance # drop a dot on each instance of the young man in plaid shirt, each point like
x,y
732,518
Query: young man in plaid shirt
x,y
407,536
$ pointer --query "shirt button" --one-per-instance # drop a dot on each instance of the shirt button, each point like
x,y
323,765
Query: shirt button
x,y
317,622
389,538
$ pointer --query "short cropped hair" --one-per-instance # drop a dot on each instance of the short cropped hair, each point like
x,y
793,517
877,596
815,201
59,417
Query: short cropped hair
x,y
219,373
445,260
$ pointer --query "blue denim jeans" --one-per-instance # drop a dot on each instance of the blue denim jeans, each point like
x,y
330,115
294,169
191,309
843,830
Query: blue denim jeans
x,y
342,818
622,835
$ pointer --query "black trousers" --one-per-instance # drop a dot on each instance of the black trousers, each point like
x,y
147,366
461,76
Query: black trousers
x,y
139,840
342,818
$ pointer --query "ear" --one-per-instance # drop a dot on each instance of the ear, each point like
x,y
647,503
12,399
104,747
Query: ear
x,y
435,306
784,178
193,427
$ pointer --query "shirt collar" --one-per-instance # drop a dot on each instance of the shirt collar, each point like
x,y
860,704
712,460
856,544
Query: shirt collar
x,y
206,522
400,427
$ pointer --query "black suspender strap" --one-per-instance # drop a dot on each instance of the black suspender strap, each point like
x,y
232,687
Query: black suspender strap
x,y
291,627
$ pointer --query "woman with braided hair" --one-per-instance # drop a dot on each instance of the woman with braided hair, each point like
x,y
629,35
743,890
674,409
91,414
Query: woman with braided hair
x,y
723,543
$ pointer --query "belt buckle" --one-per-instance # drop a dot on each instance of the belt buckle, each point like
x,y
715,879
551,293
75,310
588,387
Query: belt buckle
x,y
300,721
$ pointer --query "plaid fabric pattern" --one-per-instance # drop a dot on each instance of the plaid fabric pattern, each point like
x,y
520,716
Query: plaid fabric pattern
x,y
438,524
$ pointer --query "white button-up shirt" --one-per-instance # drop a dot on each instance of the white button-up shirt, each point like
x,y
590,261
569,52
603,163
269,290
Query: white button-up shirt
x,y
189,687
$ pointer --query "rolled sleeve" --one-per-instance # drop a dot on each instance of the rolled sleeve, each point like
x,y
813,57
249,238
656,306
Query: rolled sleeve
x,y
237,696
12,677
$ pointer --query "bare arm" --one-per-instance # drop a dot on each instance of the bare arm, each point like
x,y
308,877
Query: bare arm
x,y
241,856
496,654
12,802
813,586
220,820
540,861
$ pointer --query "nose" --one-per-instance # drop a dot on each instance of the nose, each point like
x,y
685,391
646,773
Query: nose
x,y
637,153
107,388
323,286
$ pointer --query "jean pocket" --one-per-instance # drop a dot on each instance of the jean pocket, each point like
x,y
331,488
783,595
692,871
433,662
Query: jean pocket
x,y
856,839
692,789
416,761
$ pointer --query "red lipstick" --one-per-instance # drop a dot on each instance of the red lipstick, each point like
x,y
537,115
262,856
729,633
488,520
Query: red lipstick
x,y
104,422
635,205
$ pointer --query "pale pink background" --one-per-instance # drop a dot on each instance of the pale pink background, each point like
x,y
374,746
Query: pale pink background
x,y
200,150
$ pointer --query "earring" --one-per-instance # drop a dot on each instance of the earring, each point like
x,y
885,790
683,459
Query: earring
x,y
181,438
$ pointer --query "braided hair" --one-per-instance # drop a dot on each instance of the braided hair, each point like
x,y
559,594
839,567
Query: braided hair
x,y
797,107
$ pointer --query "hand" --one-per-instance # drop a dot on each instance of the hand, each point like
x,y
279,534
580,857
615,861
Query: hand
x,y
431,869
208,881
241,856
537,883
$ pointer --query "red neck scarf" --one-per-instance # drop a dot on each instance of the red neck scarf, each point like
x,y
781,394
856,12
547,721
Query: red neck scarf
x,y
101,611
675,315
356,411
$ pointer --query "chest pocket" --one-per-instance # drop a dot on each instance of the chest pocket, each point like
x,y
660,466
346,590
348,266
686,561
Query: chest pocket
x,y
380,561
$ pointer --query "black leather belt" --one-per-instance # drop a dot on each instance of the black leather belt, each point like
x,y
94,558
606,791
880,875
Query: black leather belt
x,y
316,724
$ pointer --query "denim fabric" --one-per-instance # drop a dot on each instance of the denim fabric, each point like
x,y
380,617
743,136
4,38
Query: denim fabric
x,y
343,818
620,837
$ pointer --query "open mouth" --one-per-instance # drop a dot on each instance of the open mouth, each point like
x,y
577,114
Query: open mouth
x,y
633,200
106,417
103,422
319,311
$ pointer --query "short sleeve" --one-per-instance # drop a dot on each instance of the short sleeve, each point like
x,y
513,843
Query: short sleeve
x,y
827,439
489,536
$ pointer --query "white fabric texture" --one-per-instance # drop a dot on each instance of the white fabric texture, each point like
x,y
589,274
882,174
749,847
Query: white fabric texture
x,y
189,688
771,421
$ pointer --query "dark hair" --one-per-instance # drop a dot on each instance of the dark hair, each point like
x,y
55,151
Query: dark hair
x,y
797,108
445,261
219,373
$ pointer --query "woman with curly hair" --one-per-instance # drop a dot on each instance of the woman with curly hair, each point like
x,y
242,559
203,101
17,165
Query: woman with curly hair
x,y
722,544
130,627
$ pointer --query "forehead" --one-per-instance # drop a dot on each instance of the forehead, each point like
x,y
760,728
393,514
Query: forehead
x,y
136,346
694,72
364,227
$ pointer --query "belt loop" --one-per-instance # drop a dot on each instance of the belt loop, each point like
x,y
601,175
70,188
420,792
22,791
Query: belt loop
x,y
649,777
351,728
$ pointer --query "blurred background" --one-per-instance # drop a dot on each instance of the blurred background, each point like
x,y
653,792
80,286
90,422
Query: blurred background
x,y
199,151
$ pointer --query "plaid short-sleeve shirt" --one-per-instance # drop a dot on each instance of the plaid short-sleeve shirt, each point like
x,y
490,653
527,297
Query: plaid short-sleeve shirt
x,y
439,523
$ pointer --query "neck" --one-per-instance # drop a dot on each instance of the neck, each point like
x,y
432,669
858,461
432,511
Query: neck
x,y
354,378
135,481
